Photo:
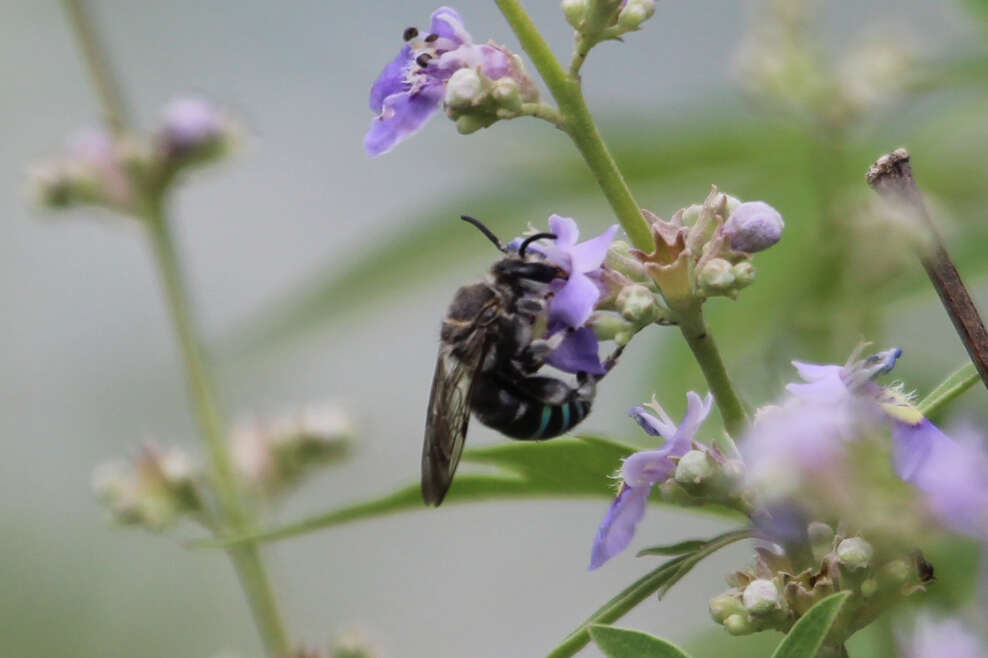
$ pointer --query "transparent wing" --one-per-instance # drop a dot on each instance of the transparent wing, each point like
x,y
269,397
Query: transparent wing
x,y
449,414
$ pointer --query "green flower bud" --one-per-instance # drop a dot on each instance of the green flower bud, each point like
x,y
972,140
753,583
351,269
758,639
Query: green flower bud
x,y
744,274
463,90
638,304
716,277
610,326
855,553
634,13
897,572
725,605
471,123
575,12
506,93
692,214
821,538
695,467
869,588
739,624
760,597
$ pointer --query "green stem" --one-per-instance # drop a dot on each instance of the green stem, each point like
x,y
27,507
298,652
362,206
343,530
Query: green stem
x,y
235,517
544,112
246,557
114,113
579,124
732,409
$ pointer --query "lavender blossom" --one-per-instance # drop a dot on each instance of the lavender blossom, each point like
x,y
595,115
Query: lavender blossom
x,y
806,437
189,125
753,226
643,470
575,298
411,87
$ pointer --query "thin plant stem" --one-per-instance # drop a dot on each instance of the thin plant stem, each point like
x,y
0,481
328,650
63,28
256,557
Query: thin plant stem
x,y
949,389
235,517
114,110
578,123
891,176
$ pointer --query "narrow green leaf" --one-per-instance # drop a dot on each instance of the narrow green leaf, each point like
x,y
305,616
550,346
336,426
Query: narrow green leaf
x,y
949,389
627,643
702,553
807,635
640,590
688,546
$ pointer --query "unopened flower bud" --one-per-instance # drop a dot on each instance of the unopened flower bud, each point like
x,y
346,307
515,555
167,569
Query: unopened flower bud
x,y
463,89
739,624
744,274
191,127
637,304
507,93
855,552
575,12
753,226
634,13
760,596
716,277
869,588
896,572
693,468
725,605
821,538
471,123
610,326
692,214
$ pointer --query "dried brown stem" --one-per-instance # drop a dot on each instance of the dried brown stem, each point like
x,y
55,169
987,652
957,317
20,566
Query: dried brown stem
x,y
892,177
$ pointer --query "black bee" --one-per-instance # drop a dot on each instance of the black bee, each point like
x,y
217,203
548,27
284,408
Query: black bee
x,y
491,348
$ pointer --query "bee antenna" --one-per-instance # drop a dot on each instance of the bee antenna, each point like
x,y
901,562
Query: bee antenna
x,y
483,229
532,238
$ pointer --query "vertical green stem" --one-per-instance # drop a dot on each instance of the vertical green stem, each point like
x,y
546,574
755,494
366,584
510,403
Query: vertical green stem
x,y
235,515
246,558
701,342
579,124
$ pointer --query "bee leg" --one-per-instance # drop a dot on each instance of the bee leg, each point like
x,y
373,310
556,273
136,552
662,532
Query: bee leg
x,y
611,361
536,352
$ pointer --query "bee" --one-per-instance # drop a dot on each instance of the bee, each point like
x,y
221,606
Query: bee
x,y
491,347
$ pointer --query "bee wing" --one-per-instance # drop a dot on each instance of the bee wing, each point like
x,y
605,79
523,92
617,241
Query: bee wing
x,y
449,415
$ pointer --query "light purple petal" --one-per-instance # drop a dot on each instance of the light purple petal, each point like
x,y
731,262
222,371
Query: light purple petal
x,y
574,303
649,467
588,256
566,230
663,427
579,352
697,410
392,79
753,226
618,526
448,24
825,383
402,116
952,475
188,123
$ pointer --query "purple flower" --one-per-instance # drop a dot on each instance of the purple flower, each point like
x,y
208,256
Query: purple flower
x,y
753,226
575,298
941,638
643,470
188,124
410,89
951,474
806,438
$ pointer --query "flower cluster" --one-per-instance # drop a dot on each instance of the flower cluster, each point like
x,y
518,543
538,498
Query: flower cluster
x,y
121,172
477,83
600,20
706,250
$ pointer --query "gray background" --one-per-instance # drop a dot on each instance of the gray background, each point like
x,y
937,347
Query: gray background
x,y
88,363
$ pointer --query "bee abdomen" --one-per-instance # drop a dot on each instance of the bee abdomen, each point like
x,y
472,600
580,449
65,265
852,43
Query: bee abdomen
x,y
520,416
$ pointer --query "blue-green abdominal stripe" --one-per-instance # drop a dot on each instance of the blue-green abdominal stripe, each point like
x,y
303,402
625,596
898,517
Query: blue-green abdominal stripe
x,y
546,417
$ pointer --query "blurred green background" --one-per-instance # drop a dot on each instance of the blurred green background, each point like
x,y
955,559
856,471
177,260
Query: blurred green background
x,y
321,274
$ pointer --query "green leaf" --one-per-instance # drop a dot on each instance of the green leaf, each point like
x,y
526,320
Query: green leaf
x,y
946,391
705,551
807,635
627,643
561,467
640,590
688,546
